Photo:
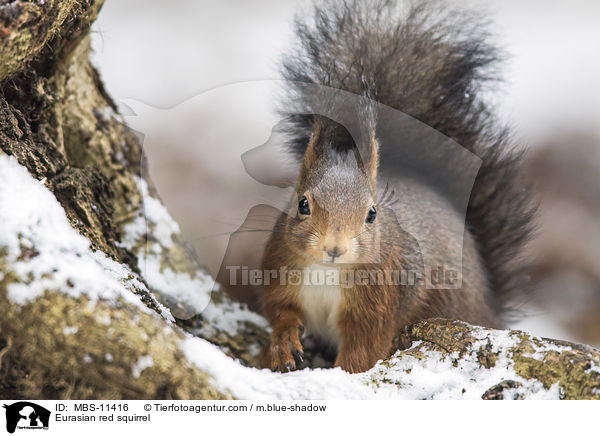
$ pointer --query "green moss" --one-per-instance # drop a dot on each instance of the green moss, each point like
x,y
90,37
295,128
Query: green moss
x,y
94,357
569,368
57,120
26,28
568,364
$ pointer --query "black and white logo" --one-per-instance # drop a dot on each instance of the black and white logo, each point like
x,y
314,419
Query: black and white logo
x,y
26,415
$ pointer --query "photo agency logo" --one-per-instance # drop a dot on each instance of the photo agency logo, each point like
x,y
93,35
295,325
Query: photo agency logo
x,y
322,191
25,415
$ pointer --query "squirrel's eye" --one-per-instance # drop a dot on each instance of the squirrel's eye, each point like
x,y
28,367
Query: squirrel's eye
x,y
303,208
371,215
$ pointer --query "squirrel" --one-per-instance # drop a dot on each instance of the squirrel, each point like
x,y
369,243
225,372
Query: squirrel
x,y
429,63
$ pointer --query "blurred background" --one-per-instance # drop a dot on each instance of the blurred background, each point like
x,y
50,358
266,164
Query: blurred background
x,y
192,66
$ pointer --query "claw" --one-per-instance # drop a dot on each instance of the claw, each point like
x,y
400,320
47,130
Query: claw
x,y
298,354
286,349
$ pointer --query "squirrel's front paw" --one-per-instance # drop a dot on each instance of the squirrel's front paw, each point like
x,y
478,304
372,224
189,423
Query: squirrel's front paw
x,y
285,348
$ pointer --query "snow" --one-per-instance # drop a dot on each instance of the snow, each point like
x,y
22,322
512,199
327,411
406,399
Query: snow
x,y
32,220
164,226
595,367
68,331
251,383
541,349
448,377
406,377
142,363
46,253
154,223
229,316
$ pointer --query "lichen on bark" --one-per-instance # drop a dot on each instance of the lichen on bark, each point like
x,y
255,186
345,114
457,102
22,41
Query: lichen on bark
x,y
575,367
57,120
69,349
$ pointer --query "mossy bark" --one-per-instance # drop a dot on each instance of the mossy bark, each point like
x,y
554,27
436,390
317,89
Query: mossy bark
x,y
575,367
57,120
62,347
27,28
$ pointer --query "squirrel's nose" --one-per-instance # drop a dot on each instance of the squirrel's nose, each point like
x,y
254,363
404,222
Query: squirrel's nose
x,y
335,245
335,251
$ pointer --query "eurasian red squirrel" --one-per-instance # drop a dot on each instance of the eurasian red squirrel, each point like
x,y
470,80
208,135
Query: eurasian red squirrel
x,y
428,63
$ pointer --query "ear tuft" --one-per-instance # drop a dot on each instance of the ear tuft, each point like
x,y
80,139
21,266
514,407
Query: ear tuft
x,y
330,138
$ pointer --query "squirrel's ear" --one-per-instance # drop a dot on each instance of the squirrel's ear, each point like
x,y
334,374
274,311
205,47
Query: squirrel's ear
x,y
313,150
369,156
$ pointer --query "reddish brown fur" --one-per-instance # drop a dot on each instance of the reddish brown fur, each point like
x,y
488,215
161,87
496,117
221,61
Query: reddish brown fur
x,y
369,316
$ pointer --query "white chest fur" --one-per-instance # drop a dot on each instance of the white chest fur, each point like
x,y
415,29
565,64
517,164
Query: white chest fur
x,y
321,304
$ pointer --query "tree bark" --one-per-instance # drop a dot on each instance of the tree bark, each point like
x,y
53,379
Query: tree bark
x,y
57,120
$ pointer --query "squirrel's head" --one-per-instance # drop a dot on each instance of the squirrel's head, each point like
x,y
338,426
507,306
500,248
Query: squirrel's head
x,y
336,193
